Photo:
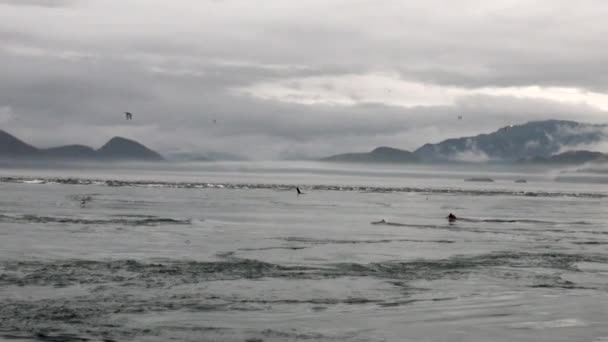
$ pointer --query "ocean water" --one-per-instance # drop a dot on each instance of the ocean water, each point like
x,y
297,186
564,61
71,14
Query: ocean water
x,y
229,252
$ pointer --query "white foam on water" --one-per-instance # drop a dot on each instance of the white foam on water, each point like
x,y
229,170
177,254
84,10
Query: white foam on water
x,y
558,323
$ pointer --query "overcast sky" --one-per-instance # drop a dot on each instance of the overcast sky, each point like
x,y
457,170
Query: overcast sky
x,y
285,78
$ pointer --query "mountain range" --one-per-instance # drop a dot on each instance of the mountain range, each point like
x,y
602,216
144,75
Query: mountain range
x,y
535,142
116,148
532,142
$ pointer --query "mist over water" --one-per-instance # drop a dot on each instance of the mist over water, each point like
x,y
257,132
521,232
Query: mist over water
x,y
230,252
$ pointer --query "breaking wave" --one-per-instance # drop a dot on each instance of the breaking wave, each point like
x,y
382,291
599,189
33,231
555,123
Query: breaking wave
x,y
138,273
523,221
137,221
471,220
348,242
291,187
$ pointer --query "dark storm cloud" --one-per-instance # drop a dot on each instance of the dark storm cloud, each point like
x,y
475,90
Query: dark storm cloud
x,y
179,66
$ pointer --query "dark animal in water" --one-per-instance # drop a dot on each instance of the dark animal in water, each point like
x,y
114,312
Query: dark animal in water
x,y
128,116
84,201
451,217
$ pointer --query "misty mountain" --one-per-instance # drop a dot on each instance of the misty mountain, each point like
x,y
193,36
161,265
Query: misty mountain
x,y
10,146
570,157
69,152
533,139
378,155
125,149
115,149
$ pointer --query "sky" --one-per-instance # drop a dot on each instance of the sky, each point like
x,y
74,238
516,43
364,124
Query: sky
x,y
272,79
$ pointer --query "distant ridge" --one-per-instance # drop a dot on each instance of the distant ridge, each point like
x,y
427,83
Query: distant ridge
x,y
121,149
13,147
70,151
511,143
116,149
378,155
532,142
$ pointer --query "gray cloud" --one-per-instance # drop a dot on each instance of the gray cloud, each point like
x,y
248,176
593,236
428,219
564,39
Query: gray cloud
x,y
178,68
41,3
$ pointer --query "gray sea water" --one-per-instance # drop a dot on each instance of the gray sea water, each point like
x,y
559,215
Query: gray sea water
x,y
229,252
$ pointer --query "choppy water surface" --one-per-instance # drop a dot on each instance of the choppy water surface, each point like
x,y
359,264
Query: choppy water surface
x,y
231,253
